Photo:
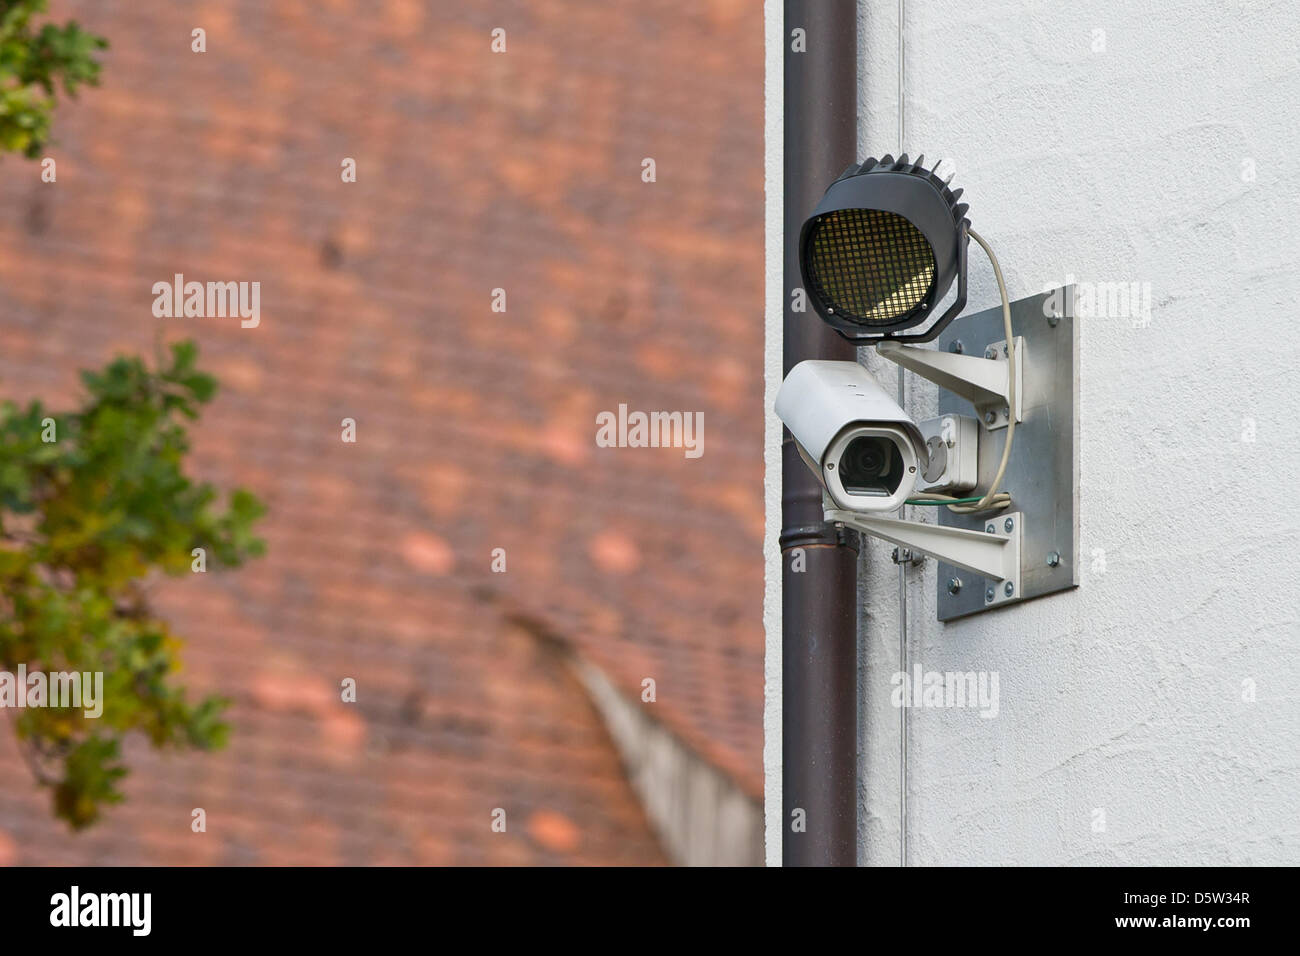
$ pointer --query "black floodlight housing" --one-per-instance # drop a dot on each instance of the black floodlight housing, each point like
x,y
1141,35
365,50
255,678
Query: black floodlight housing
x,y
881,249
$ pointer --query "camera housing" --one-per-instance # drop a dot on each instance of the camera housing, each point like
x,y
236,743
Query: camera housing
x,y
866,451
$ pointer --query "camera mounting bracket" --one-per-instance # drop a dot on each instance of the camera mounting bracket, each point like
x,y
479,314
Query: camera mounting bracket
x,y
984,382
992,554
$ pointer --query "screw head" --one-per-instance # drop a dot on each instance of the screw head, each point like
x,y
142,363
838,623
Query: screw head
x,y
989,418
1054,318
988,595
1008,525
989,528
957,347
1009,589
954,585
990,352
1053,558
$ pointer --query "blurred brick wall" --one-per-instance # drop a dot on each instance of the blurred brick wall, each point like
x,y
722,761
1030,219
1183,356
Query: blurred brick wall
x,y
476,429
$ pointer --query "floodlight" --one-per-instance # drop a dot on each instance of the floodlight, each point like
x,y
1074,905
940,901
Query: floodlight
x,y
881,250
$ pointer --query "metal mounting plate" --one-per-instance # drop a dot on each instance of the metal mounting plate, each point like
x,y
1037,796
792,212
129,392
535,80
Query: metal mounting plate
x,y
1042,475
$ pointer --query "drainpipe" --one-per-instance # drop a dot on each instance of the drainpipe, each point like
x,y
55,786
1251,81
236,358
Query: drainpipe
x,y
819,608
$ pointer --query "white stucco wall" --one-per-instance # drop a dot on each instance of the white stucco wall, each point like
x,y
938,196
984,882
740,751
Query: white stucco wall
x,y
773,291
1115,142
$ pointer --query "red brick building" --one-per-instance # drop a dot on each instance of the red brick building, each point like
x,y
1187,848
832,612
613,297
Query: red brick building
x,y
477,170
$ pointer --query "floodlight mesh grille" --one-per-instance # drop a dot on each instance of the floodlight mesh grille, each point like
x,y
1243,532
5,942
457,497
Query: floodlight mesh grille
x,y
869,266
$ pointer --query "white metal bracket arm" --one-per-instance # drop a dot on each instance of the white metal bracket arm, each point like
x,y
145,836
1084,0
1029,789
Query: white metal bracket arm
x,y
994,554
984,382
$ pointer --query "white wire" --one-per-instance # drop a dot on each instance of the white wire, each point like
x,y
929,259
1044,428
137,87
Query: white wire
x,y
992,500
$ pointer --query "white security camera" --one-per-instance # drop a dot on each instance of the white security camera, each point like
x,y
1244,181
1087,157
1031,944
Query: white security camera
x,y
863,448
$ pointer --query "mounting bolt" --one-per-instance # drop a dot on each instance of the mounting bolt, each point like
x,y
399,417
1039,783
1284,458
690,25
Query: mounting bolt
x,y
902,555
990,352
1054,318
988,595
989,528
954,585
1008,525
1009,590
1053,558
990,418
956,346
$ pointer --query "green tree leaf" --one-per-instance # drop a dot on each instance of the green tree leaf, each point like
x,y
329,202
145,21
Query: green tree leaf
x,y
33,64
85,522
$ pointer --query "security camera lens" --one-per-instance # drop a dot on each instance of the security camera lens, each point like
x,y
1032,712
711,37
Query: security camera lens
x,y
868,456
871,466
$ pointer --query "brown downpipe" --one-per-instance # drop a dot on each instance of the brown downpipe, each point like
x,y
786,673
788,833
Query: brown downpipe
x,y
819,604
